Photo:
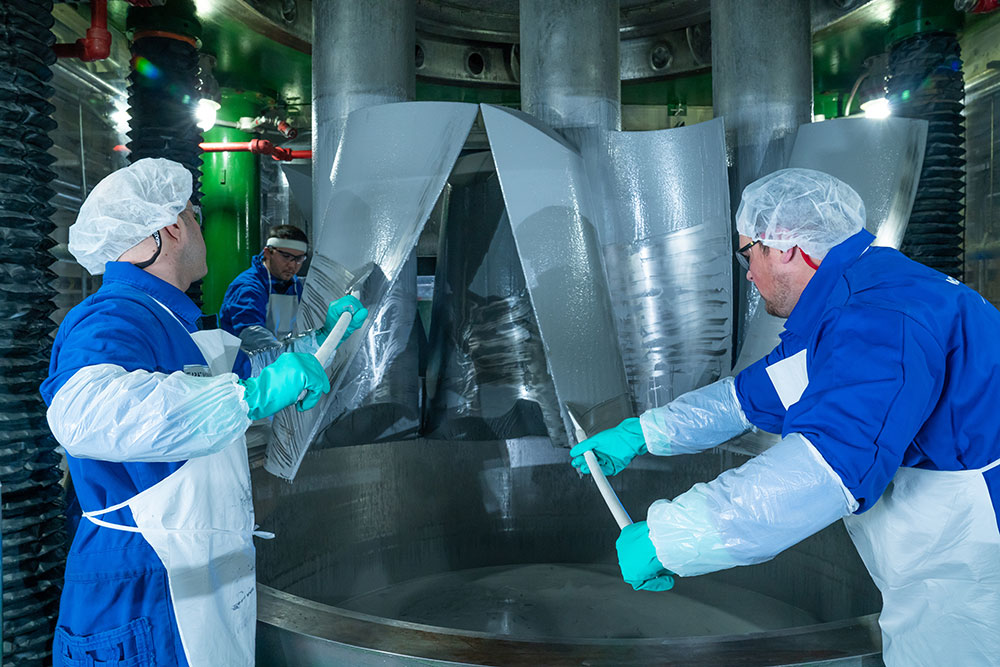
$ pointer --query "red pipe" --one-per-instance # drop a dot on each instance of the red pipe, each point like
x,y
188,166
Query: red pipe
x,y
256,146
97,44
977,6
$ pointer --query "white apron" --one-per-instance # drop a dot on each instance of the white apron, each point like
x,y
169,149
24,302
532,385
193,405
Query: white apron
x,y
199,521
932,546
282,310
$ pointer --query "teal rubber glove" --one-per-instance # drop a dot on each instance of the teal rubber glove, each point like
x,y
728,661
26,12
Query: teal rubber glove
x,y
637,559
279,385
614,448
345,304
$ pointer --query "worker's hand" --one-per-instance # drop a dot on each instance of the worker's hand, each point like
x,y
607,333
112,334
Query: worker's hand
x,y
345,304
280,384
614,448
638,562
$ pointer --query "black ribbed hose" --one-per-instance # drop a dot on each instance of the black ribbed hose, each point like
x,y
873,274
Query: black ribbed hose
x,y
34,519
925,81
163,92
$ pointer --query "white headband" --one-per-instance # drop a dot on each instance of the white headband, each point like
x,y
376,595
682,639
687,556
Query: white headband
x,y
291,244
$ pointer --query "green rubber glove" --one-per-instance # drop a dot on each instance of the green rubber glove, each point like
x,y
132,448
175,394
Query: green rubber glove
x,y
638,562
345,304
280,384
614,448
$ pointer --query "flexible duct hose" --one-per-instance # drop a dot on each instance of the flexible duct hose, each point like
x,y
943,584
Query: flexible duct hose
x,y
32,499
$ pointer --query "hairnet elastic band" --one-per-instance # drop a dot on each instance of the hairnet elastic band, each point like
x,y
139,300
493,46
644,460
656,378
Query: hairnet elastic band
x,y
290,244
159,247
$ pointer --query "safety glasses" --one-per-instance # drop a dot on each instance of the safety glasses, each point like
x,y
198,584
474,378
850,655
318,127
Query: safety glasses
x,y
743,255
298,259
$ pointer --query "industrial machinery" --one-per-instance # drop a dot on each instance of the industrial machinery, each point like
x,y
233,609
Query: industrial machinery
x,y
545,189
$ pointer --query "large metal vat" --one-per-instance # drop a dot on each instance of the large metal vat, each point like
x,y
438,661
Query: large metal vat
x,y
498,553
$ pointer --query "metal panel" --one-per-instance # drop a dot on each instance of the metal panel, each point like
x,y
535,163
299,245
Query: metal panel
x,y
880,159
390,168
668,251
486,375
548,198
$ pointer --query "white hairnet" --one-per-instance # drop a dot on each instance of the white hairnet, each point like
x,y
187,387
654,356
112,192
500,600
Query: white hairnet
x,y
800,207
125,207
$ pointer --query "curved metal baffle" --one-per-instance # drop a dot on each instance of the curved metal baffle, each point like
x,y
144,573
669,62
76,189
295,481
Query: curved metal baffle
x,y
32,508
377,210
554,220
667,248
486,375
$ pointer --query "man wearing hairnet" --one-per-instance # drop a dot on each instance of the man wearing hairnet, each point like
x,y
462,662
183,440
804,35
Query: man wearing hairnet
x,y
885,388
152,417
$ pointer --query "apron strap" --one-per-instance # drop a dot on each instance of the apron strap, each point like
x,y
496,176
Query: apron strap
x,y
990,466
107,524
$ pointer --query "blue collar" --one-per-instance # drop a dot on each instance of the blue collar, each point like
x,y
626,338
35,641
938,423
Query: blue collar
x,y
814,297
175,300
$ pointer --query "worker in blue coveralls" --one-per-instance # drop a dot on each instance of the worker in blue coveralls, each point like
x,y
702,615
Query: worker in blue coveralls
x,y
261,303
152,413
885,387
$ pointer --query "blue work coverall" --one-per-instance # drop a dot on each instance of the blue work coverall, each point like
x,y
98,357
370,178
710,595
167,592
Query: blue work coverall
x,y
903,371
245,301
115,600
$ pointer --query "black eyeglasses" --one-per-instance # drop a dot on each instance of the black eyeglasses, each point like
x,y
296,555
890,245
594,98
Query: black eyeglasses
x,y
743,255
298,259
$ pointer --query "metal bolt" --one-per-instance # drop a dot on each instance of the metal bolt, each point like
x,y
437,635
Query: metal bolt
x,y
660,56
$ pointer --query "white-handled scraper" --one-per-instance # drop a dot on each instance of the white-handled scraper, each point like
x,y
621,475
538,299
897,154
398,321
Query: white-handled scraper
x,y
324,355
609,495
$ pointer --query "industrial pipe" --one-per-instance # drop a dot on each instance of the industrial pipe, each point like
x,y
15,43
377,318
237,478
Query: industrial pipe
x,y
97,44
977,6
583,90
257,147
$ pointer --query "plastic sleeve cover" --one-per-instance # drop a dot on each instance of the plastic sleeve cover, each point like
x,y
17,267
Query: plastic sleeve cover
x,y
263,348
749,514
695,421
105,412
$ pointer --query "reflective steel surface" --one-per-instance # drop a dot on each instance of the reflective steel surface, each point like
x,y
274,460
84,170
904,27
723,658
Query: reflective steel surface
x,y
552,214
486,373
498,553
663,198
391,166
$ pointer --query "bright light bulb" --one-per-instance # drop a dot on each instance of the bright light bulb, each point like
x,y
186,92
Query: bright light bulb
x,y
877,108
206,113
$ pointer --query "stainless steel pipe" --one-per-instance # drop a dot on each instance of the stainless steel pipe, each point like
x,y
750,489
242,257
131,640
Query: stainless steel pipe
x,y
569,63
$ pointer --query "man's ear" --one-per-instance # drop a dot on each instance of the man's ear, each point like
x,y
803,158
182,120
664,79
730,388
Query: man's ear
x,y
174,230
787,255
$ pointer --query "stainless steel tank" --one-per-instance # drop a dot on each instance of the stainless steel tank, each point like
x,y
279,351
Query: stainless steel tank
x,y
497,553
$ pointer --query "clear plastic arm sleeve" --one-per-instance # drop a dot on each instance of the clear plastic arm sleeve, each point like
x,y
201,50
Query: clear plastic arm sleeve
x,y
263,348
695,421
105,412
749,514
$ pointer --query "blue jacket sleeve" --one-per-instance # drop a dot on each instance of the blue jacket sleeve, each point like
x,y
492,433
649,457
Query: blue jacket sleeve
x,y
109,332
757,396
874,377
244,305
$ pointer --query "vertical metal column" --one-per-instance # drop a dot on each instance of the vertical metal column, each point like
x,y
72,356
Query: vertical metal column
x,y
362,56
569,63
762,88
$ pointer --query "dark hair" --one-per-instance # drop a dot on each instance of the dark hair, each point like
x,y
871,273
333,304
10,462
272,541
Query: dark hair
x,y
290,232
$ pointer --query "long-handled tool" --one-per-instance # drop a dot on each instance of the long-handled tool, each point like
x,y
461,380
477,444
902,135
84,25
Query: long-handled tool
x,y
609,495
325,352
